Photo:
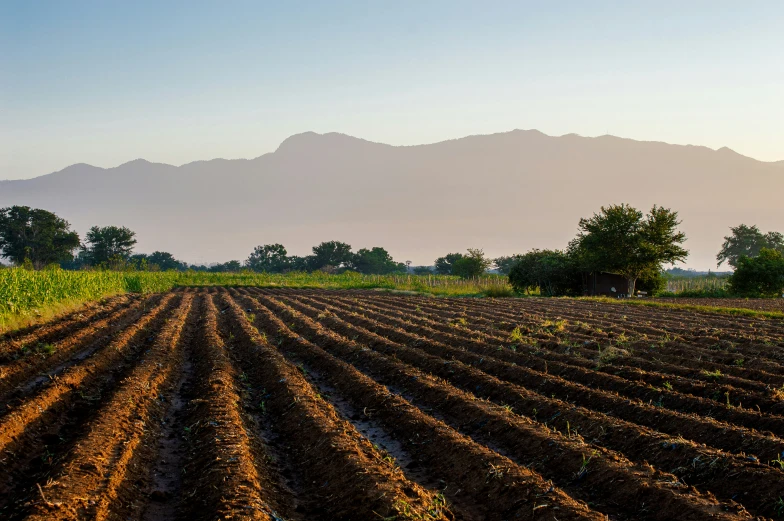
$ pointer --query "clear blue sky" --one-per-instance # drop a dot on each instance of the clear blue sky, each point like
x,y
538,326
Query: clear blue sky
x,y
107,82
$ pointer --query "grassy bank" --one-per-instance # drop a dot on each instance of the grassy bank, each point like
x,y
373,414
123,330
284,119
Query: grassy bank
x,y
744,312
29,296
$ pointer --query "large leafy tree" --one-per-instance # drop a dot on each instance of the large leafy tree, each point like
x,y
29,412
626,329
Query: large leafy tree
x,y
109,245
760,276
443,265
747,241
472,265
332,253
36,235
622,240
375,261
270,258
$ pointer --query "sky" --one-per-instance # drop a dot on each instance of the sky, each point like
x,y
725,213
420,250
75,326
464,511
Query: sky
x,y
108,82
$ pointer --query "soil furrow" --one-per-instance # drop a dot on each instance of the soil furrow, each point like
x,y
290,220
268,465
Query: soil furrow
x,y
90,484
472,474
341,474
23,375
36,435
220,476
531,444
701,429
694,464
54,330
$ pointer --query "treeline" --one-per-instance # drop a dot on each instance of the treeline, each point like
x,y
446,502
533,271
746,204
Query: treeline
x,y
619,239
329,257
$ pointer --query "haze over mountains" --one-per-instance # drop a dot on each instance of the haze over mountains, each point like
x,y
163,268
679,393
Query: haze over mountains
x,y
505,193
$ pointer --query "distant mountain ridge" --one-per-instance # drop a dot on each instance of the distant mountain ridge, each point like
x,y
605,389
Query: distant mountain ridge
x,y
506,193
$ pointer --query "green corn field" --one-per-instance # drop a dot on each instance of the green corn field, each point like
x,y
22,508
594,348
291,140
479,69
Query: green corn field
x,y
27,295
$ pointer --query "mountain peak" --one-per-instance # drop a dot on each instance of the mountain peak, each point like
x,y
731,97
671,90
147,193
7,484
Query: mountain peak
x,y
307,141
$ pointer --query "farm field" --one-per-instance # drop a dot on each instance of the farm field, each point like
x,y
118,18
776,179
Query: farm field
x,y
757,304
293,404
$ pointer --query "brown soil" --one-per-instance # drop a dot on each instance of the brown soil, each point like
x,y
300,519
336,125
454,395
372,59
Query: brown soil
x,y
289,405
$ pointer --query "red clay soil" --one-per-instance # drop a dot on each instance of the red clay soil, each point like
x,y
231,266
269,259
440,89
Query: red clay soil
x,y
288,405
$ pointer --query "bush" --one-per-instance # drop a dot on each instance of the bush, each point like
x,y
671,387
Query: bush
x,y
498,292
553,272
761,276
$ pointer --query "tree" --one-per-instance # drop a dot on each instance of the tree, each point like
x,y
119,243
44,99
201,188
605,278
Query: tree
x,y
35,235
423,270
443,265
504,264
376,261
332,253
622,240
232,266
270,258
297,263
747,241
760,276
165,261
553,272
109,245
472,265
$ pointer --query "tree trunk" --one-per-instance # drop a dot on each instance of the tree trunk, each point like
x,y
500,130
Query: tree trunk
x,y
632,284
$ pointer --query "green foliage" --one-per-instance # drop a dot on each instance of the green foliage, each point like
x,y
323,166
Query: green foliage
x,y
443,265
552,272
270,258
504,264
233,266
35,235
423,270
748,241
760,276
620,239
472,265
376,261
25,294
156,261
109,246
652,281
334,254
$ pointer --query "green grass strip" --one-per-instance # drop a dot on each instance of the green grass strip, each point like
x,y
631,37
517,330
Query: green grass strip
x,y
745,312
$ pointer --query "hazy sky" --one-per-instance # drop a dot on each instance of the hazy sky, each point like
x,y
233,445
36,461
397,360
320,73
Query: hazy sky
x,y
105,82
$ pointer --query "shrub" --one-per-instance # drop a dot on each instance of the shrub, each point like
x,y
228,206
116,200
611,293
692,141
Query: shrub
x,y
553,272
761,276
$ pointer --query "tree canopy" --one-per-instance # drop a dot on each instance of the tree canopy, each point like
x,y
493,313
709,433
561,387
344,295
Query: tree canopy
x,y
156,261
504,264
622,240
109,245
38,236
747,241
472,265
759,276
335,254
443,265
376,261
270,258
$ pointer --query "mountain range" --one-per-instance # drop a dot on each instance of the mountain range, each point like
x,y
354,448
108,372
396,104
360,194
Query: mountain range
x,y
505,193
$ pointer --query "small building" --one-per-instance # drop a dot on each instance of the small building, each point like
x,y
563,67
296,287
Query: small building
x,y
600,283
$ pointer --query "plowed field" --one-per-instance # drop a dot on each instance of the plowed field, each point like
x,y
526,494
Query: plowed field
x,y
288,405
